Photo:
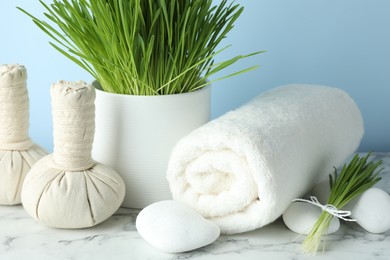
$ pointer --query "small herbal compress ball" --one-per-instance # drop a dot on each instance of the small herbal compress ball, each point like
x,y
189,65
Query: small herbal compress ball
x,y
17,151
14,166
67,189
71,199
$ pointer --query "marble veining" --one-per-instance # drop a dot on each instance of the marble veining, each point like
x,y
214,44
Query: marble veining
x,y
21,237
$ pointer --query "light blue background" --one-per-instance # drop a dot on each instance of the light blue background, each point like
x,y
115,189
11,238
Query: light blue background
x,y
343,44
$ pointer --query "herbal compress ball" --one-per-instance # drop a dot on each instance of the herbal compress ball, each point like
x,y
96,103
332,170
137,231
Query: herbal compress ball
x,y
17,151
67,189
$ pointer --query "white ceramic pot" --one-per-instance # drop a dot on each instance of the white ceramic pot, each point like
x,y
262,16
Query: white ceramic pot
x,y
136,134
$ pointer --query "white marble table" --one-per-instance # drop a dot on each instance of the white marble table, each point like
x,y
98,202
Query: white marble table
x,y
22,238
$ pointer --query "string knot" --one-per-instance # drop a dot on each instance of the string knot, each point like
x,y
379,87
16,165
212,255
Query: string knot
x,y
331,209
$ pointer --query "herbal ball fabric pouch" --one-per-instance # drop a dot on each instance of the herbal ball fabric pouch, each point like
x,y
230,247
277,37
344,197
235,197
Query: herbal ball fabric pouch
x,y
242,170
18,153
68,189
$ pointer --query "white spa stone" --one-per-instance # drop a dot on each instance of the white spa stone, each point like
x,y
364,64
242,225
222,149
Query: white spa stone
x,y
301,216
173,227
372,210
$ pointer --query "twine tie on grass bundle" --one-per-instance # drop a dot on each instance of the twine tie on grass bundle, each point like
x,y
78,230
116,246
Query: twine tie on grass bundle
x,y
73,126
14,108
332,210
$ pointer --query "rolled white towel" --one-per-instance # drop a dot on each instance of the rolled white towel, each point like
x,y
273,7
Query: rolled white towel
x,y
243,169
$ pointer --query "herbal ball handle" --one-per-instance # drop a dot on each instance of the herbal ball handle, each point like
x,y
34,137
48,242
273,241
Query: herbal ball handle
x,y
14,108
73,111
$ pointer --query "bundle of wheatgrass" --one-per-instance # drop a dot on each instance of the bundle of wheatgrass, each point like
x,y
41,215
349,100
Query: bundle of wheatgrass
x,y
357,176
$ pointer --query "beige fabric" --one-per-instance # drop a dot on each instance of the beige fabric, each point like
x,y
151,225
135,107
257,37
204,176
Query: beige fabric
x,y
14,165
73,124
67,189
14,108
17,151
70,199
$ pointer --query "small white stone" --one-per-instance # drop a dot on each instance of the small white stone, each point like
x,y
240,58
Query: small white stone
x,y
173,227
372,210
321,191
300,217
